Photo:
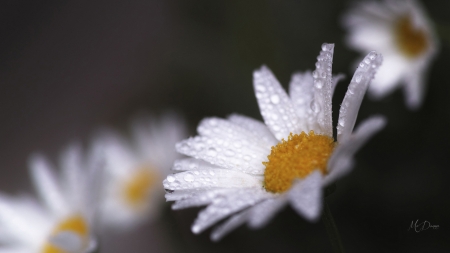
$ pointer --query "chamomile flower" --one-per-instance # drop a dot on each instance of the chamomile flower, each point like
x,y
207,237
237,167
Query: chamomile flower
x,y
63,222
404,35
134,170
252,169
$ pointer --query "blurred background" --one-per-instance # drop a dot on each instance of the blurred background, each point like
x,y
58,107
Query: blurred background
x,y
70,67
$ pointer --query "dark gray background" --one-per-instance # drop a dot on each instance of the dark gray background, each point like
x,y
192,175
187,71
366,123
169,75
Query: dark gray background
x,y
69,67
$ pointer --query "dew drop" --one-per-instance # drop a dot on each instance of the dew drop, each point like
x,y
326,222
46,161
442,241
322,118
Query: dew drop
x,y
260,88
212,152
315,74
275,99
170,178
358,78
318,84
315,106
229,153
189,178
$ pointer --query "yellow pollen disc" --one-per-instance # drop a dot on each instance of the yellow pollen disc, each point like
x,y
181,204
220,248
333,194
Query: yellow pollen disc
x,y
137,188
411,40
75,224
295,158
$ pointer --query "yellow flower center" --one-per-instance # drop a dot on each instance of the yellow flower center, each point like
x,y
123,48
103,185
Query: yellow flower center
x,y
295,158
410,40
76,224
137,188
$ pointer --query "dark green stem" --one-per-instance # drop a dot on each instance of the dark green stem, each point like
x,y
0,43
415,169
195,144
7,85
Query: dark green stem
x,y
332,231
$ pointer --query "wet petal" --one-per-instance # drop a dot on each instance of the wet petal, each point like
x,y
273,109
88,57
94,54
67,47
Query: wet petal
x,y
321,104
306,196
211,179
341,161
275,106
355,93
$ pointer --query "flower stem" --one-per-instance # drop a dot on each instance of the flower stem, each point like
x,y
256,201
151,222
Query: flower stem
x,y
332,231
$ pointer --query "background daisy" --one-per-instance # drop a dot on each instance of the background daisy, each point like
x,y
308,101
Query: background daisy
x,y
64,221
402,32
134,169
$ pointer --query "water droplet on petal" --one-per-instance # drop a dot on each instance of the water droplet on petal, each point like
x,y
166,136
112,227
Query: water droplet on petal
x,y
315,107
318,84
170,178
189,177
275,99
260,88
212,152
315,74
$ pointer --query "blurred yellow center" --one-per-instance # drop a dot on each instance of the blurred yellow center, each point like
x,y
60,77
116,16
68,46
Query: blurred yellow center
x,y
295,158
411,40
75,224
137,188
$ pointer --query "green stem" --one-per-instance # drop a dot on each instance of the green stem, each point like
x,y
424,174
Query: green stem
x,y
332,231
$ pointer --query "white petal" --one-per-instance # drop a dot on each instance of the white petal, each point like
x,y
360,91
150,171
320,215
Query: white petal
x,y
155,138
321,104
229,225
355,93
222,130
341,161
301,91
222,152
116,152
275,106
192,164
389,75
22,221
257,128
71,171
183,194
68,241
226,205
202,198
414,89
15,249
210,179
47,185
306,196
263,212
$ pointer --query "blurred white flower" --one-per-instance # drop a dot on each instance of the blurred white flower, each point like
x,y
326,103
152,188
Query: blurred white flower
x,y
134,171
63,223
240,165
404,35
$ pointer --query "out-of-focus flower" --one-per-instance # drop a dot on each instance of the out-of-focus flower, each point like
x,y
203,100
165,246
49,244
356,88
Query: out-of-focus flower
x,y
240,165
134,171
64,221
404,35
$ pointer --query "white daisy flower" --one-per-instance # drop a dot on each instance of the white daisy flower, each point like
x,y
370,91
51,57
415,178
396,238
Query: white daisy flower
x,y
134,171
240,165
400,31
63,222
